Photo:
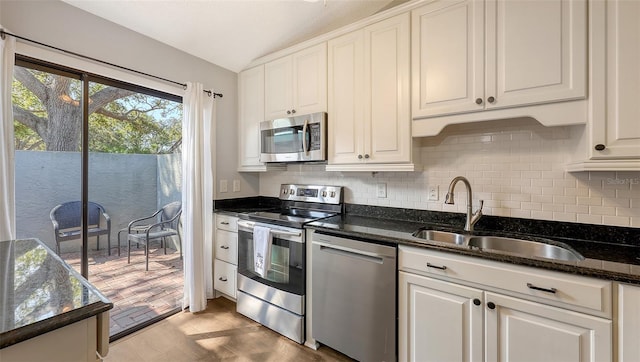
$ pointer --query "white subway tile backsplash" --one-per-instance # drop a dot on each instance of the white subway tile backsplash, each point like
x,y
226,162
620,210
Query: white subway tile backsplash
x,y
516,167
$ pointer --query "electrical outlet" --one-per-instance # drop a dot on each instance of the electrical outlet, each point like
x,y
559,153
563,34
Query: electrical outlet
x,y
433,193
224,186
236,185
381,190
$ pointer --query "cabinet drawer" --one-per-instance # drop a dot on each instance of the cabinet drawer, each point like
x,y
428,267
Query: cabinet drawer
x,y
224,277
225,222
583,294
227,246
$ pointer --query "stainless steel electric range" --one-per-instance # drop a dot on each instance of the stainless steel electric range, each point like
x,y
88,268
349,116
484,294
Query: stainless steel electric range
x,y
276,299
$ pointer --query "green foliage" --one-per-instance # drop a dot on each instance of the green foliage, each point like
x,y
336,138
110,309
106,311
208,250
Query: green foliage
x,y
135,123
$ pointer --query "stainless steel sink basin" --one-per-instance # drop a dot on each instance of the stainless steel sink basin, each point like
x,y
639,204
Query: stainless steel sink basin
x,y
541,248
525,247
440,236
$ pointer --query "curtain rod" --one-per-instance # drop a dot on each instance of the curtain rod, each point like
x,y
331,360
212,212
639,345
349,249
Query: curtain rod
x,y
4,33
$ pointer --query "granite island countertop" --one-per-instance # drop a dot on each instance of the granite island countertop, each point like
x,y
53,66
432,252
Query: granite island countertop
x,y
605,260
39,292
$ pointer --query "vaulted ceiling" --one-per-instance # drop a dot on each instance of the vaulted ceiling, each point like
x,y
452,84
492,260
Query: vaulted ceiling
x,y
232,33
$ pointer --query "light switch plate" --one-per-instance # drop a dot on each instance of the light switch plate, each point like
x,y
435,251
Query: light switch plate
x,y
236,185
434,193
224,186
381,190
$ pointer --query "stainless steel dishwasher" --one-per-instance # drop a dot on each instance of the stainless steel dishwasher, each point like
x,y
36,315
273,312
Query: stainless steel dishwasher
x,y
354,297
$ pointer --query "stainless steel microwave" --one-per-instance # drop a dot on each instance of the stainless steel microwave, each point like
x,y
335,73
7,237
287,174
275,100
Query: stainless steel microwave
x,y
294,139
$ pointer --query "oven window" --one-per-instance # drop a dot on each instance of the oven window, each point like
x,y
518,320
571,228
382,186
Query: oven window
x,y
287,263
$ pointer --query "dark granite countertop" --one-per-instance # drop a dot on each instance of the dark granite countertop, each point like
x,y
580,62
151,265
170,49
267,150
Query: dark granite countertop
x,y
39,292
612,261
610,252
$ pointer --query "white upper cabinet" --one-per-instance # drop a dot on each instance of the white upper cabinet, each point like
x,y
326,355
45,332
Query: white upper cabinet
x,y
250,114
448,57
617,128
472,55
369,105
297,83
612,140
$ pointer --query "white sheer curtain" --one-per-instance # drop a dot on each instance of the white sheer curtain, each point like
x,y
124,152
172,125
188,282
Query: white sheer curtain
x,y
7,185
198,127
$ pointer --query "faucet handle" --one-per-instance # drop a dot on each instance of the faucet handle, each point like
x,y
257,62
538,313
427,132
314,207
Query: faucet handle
x,y
479,211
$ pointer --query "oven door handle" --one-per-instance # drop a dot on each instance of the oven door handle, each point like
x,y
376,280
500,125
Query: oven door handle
x,y
275,232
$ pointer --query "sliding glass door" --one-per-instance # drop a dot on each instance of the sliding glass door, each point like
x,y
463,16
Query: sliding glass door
x,y
113,149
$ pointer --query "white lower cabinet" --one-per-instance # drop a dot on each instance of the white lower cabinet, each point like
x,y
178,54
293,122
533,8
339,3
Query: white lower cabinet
x,y
439,321
226,254
522,330
628,326
445,317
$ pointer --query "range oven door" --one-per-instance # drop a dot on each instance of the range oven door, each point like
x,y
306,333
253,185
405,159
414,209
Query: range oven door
x,y
287,272
294,139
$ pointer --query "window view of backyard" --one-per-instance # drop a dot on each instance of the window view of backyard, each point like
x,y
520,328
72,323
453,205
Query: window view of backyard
x,y
133,170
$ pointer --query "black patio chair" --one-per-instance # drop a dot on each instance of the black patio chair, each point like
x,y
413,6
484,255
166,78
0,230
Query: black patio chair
x,y
67,222
164,222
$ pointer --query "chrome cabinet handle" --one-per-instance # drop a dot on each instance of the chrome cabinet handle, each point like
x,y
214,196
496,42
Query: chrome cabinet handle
x,y
224,223
224,247
222,279
546,290
429,265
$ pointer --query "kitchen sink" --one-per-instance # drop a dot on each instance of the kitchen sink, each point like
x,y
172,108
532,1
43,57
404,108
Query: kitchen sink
x,y
440,236
526,247
542,248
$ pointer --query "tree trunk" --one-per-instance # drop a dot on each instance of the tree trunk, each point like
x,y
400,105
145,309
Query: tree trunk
x,y
64,127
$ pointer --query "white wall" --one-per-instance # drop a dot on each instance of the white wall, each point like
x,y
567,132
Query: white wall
x,y
56,23
516,166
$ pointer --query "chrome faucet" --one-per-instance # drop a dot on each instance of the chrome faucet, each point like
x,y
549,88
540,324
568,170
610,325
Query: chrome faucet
x,y
472,217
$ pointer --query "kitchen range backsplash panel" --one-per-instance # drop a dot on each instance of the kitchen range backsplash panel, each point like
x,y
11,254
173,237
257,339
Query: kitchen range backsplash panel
x,y
518,170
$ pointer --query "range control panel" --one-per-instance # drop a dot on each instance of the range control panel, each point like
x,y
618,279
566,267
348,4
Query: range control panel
x,y
311,193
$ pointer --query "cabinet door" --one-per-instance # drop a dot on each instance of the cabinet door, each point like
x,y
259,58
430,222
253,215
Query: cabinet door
x,y
387,126
310,80
251,113
224,277
618,126
519,330
438,321
278,88
628,319
536,51
346,100
448,58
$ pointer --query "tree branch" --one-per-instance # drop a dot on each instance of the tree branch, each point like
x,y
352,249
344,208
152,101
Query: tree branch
x,y
28,119
105,96
31,82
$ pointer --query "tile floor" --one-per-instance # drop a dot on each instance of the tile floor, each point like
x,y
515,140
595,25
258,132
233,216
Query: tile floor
x,y
137,295
218,333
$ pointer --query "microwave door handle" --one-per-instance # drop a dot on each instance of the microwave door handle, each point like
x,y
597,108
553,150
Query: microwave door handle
x,y
304,136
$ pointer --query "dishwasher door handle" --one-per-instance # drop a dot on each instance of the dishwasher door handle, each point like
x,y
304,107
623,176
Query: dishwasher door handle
x,y
352,253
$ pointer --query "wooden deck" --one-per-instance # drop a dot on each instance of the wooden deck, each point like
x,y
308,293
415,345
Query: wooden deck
x,y
137,295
